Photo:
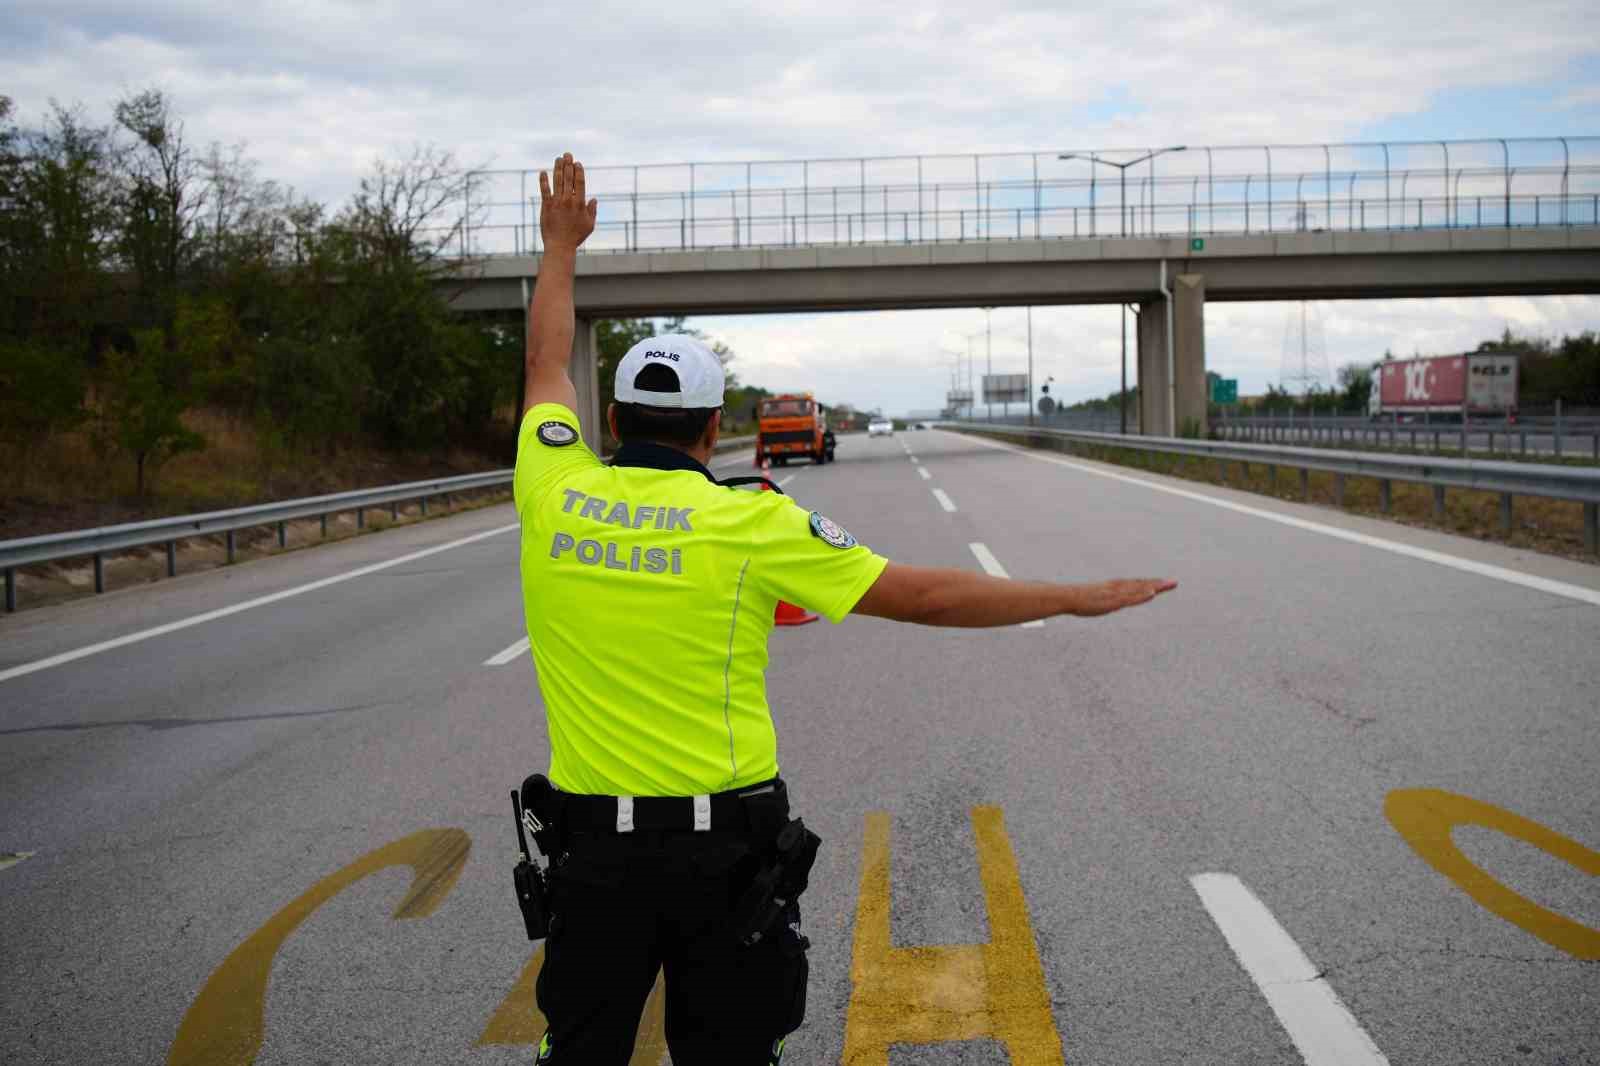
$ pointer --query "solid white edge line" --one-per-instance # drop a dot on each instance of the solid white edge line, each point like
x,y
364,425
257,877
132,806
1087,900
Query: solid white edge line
x,y
1489,570
9,859
1316,1019
944,500
992,567
501,658
924,472
259,601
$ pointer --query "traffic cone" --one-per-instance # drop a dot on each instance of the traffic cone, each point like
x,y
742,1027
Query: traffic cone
x,y
787,613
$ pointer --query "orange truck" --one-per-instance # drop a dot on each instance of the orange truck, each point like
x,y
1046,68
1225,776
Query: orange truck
x,y
791,426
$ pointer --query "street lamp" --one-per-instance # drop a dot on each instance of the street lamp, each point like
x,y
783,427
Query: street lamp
x,y
970,337
988,356
1122,193
955,377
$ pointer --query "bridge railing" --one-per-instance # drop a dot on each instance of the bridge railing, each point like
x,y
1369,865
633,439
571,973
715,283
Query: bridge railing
x,y
1188,192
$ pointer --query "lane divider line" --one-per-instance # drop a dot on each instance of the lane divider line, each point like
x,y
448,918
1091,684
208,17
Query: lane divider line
x,y
9,859
521,647
992,567
914,459
781,482
259,601
944,500
924,472
1498,573
1316,1019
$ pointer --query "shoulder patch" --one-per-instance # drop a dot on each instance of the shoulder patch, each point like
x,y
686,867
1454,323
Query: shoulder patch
x,y
556,434
830,532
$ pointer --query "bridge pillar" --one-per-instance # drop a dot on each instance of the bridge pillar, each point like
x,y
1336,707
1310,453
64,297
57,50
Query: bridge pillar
x,y
1189,363
586,378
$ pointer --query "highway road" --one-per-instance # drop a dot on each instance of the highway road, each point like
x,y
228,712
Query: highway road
x,y
1334,800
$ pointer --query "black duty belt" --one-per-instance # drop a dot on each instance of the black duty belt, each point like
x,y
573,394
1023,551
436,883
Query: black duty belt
x,y
737,810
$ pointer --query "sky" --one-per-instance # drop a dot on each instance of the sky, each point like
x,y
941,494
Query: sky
x,y
316,92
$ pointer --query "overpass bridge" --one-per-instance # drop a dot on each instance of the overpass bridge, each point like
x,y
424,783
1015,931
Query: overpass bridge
x,y
1348,221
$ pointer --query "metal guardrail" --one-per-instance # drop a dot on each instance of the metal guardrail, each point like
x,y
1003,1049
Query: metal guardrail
x,y
1580,484
1560,435
1190,191
106,540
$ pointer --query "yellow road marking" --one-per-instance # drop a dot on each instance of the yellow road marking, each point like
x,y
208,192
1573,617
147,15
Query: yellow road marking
x,y
1425,817
923,995
518,1021
227,1022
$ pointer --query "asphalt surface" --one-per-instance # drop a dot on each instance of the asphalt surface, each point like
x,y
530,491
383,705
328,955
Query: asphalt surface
x,y
178,791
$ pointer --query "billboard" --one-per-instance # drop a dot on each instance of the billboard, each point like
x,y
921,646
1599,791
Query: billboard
x,y
1437,382
1005,388
958,398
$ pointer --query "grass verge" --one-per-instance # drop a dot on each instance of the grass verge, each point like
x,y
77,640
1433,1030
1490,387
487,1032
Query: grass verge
x,y
66,485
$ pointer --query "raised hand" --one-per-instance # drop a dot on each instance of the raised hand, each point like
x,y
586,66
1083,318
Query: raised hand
x,y
565,218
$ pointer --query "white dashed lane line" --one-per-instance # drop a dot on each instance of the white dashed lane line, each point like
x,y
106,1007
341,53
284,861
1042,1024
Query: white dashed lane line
x,y
9,859
781,482
944,501
501,658
1316,1019
992,567
924,472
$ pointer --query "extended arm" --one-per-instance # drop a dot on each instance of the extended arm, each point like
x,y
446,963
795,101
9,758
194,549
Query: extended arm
x,y
565,221
941,597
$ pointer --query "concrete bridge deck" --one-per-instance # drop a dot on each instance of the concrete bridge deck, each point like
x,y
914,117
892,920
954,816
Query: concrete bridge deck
x,y
1335,264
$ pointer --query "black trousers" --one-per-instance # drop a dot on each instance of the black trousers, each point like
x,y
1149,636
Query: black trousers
x,y
627,906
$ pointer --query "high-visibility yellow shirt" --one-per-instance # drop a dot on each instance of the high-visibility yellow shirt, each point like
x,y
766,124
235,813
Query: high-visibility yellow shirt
x,y
649,595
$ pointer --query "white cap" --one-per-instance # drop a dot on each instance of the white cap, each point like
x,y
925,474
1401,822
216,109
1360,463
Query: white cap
x,y
699,372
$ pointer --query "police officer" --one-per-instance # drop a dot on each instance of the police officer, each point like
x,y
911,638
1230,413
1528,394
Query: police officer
x,y
649,592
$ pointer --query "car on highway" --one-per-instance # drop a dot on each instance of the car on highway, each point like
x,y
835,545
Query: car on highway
x,y
880,427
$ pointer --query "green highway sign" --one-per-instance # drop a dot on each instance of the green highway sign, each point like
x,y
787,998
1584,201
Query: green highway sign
x,y
1224,390
1197,244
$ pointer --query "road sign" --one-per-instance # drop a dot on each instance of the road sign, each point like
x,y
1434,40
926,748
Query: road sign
x,y
1005,388
1197,244
1224,390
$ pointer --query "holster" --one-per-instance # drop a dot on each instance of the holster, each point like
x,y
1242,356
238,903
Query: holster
x,y
536,810
781,878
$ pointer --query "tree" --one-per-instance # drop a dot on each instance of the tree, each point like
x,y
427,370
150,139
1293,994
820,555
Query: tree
x,y
1355,386
164,193
146,392
58,220
41,394
411,210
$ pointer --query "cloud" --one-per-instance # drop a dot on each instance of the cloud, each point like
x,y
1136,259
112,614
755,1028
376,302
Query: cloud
x,y
319,89
512,84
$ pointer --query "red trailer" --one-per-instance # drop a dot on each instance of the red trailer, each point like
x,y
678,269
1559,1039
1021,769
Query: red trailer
x,y
1480,383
